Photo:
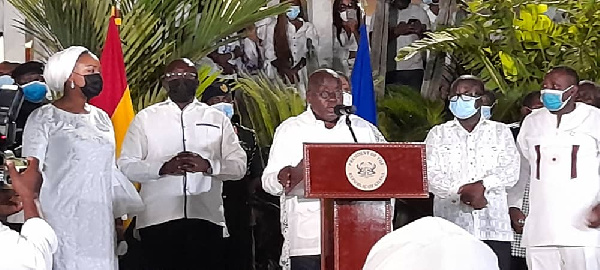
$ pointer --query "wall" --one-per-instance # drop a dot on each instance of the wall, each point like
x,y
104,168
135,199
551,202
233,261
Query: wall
x,y
13,47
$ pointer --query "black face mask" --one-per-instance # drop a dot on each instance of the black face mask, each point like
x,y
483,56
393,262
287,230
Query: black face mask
x,y
182,90
93,85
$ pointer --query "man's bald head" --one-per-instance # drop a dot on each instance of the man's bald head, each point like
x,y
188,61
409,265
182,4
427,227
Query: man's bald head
x,y
181,65
323,94
318,78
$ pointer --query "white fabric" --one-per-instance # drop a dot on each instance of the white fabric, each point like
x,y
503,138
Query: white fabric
x,y
77,162
456,157
287,150
160,132
563,258
430,243
515,193
18,218
61,65
431,15
32,249
559,205
413,11
341,51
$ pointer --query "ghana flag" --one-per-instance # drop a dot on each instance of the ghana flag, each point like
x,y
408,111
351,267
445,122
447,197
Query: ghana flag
x,y
115,99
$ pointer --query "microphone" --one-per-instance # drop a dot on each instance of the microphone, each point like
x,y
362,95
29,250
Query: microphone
x,y
343,110
347,111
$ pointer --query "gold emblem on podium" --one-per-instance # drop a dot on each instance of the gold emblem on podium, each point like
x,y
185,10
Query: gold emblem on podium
x,y
366,170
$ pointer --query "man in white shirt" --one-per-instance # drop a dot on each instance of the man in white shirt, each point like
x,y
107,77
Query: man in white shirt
x,y
412,21
471,162
33,248
283,176
430,243
561,145
181,151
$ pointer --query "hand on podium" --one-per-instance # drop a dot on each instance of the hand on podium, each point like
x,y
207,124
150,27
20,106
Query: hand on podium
x,y
473,195
289,176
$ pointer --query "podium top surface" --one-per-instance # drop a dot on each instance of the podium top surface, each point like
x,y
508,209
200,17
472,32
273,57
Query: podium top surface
x,y
365,171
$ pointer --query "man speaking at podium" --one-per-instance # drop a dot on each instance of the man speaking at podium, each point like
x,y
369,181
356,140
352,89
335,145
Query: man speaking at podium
x,y
324,121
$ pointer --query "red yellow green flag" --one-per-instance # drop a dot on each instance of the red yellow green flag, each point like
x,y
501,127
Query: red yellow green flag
x,y
115,99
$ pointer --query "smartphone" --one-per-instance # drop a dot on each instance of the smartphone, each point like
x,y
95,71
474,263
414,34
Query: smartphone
x,y
351,13
20,164
413,21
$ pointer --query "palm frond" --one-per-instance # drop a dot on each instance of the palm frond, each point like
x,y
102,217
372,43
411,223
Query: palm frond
x,y
269,102
154,32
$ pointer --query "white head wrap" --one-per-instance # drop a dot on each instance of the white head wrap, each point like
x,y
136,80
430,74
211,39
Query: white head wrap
x,y
431,243
61,65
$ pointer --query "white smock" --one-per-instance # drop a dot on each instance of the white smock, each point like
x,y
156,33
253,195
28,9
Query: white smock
x,y
81,181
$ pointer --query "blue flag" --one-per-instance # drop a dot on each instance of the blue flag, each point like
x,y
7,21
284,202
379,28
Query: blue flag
x,y
363,91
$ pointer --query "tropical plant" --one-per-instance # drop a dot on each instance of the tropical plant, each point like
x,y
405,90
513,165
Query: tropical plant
x,y
511,44
406,116
264,103
153,31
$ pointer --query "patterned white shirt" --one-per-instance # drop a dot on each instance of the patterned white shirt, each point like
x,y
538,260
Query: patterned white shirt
x,y
301,217
456,157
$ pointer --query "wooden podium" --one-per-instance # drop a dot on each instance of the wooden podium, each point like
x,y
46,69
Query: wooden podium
x,y
355,183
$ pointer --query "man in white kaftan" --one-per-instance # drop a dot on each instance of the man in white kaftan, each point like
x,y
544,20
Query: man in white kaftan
x,y
301,218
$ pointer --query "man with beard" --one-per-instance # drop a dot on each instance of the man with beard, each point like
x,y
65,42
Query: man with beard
x,y
181,151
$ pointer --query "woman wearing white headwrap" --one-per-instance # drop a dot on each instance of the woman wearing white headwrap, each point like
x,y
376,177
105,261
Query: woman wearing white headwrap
x,y
72,146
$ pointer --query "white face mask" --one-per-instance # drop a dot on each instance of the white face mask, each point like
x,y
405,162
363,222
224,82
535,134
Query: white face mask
x,y
347,99
225,108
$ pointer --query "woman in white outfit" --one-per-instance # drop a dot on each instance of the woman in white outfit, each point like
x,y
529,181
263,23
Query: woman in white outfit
x,y
73,143
346,23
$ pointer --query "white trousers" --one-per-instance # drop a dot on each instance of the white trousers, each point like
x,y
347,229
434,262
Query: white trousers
x,y
563,258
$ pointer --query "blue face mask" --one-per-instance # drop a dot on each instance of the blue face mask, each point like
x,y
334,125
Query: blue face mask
x,y
463,107
35,91
552,99
293,12
6,80
224,107
486,112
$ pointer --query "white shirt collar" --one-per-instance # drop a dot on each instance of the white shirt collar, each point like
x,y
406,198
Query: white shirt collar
x,y
482,121
194,102
310,116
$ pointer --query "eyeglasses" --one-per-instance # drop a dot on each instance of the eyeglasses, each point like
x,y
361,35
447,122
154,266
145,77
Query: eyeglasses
x,y
179,75
463,97
330,95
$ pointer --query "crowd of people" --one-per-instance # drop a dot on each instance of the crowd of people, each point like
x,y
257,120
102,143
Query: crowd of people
x,y
516,196
288,45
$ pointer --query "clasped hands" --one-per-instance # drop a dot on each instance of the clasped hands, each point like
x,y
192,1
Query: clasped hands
x,y
290,176
473,195
185,162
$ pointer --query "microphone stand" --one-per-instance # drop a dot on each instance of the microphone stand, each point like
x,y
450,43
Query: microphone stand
x,y
349,124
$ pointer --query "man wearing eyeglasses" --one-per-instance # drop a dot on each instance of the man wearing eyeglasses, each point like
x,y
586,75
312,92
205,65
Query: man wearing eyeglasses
x,y
284,174
181,151
471,162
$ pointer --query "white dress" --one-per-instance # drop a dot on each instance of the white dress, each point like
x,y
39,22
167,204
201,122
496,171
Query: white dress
x,y
77,162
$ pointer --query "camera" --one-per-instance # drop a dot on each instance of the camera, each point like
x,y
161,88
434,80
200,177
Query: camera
x,y
11,99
